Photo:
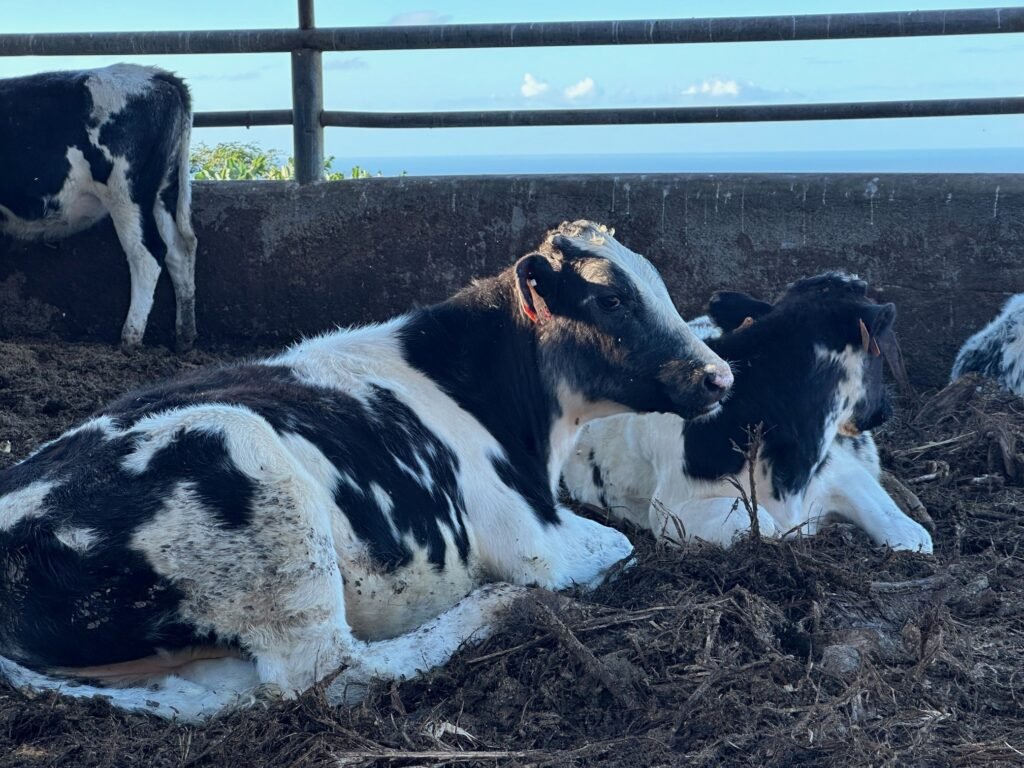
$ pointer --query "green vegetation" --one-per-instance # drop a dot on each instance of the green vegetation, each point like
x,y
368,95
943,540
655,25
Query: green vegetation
x,y
235,161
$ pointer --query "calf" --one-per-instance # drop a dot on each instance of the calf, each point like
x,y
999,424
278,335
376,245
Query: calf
x,y
78,146
809,369
997,350
267,523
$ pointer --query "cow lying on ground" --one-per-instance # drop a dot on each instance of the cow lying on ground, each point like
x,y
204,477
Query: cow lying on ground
x,y
809,369
78,146
997,350
269,523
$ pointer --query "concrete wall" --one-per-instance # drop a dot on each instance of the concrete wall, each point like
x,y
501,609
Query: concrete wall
x,y
277,261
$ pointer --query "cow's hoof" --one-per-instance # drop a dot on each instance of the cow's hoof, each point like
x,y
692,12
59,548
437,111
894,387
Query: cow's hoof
x,y
267,693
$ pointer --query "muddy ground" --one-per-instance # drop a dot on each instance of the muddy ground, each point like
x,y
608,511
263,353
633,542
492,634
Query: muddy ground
x,y
823,651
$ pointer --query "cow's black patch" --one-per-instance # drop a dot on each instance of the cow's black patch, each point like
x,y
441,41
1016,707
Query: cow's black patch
x,y
477,353
43,115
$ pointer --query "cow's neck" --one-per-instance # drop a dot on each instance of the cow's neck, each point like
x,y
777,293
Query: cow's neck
x,y
483,354
794,398
573,412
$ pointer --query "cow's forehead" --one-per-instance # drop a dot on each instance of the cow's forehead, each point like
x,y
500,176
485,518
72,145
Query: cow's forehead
x,y
598,240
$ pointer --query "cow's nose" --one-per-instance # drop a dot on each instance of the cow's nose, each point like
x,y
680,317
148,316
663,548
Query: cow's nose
x,y
717,380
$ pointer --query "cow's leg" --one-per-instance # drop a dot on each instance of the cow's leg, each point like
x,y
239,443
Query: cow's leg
x,y
717,520
180,239
431,645
142,266
856,496
269,580
576,551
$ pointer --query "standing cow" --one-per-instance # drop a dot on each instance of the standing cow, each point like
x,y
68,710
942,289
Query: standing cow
x,y
271,522
78,146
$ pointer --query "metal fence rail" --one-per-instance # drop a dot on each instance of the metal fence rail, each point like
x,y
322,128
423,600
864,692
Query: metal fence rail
x,y
306,44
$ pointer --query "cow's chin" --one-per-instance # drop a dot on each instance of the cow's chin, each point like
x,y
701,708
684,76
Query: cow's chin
x,y
693,407
709,413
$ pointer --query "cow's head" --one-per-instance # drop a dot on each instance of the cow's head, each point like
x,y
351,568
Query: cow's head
x,y
821,327
607,329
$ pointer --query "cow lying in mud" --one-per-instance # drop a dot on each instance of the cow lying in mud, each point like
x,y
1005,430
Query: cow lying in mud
x,y
809,369
78,146
266,524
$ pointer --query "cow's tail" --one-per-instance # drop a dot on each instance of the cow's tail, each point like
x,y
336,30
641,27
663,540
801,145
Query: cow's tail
x,y
173,698
183,215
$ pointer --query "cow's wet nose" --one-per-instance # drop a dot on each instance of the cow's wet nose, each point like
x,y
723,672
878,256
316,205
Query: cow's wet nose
x,y
717,380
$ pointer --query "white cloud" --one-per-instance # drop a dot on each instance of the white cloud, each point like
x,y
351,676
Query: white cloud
x,y
413,18
532,87
349,62
583,88
714,87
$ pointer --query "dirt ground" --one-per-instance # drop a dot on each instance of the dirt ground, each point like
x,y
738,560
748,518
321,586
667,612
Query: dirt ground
x,y
820,651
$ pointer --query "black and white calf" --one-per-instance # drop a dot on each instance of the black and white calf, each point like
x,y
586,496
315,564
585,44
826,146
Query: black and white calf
x,y
997,350
809,368
78,146
268,523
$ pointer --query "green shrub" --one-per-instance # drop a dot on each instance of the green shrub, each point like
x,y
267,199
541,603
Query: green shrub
x,y
237,161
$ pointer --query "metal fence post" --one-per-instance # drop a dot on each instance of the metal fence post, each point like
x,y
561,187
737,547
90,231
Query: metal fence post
x,y
307,105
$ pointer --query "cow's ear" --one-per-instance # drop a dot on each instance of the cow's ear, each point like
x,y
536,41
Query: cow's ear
x,y
875,323
730,309
536,287
879,318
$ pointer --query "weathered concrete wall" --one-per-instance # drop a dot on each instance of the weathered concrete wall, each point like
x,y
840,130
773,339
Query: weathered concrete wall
x,y
277,261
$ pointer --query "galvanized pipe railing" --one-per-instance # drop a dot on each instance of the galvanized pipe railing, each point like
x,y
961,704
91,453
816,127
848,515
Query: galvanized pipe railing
x,y
839,26
307,42
864,110
307,104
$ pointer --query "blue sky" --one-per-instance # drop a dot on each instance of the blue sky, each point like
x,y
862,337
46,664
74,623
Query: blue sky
x,y
738,73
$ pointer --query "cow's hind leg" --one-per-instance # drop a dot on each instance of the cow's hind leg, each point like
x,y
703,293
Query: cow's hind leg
x,y
257,556
142,266
176,231
431,645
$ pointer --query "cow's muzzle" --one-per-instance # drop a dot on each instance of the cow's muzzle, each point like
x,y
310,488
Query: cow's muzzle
x,y
696,391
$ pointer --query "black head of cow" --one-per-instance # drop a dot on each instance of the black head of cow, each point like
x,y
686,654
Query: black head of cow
x,y
819,324
607,329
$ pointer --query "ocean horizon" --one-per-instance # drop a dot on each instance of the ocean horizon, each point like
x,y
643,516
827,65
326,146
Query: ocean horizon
x,y
1002,160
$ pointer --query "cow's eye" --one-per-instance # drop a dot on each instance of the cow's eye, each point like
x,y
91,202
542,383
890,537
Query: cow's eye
x,y
609,302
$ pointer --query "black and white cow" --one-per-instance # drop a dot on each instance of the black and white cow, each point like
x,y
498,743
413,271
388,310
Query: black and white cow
x,y
809,368
997,350
78,146
268,523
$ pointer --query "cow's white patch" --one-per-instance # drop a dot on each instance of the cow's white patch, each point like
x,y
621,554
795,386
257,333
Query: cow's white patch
x,y
24,503
576,412
850,363
79,539
111,87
